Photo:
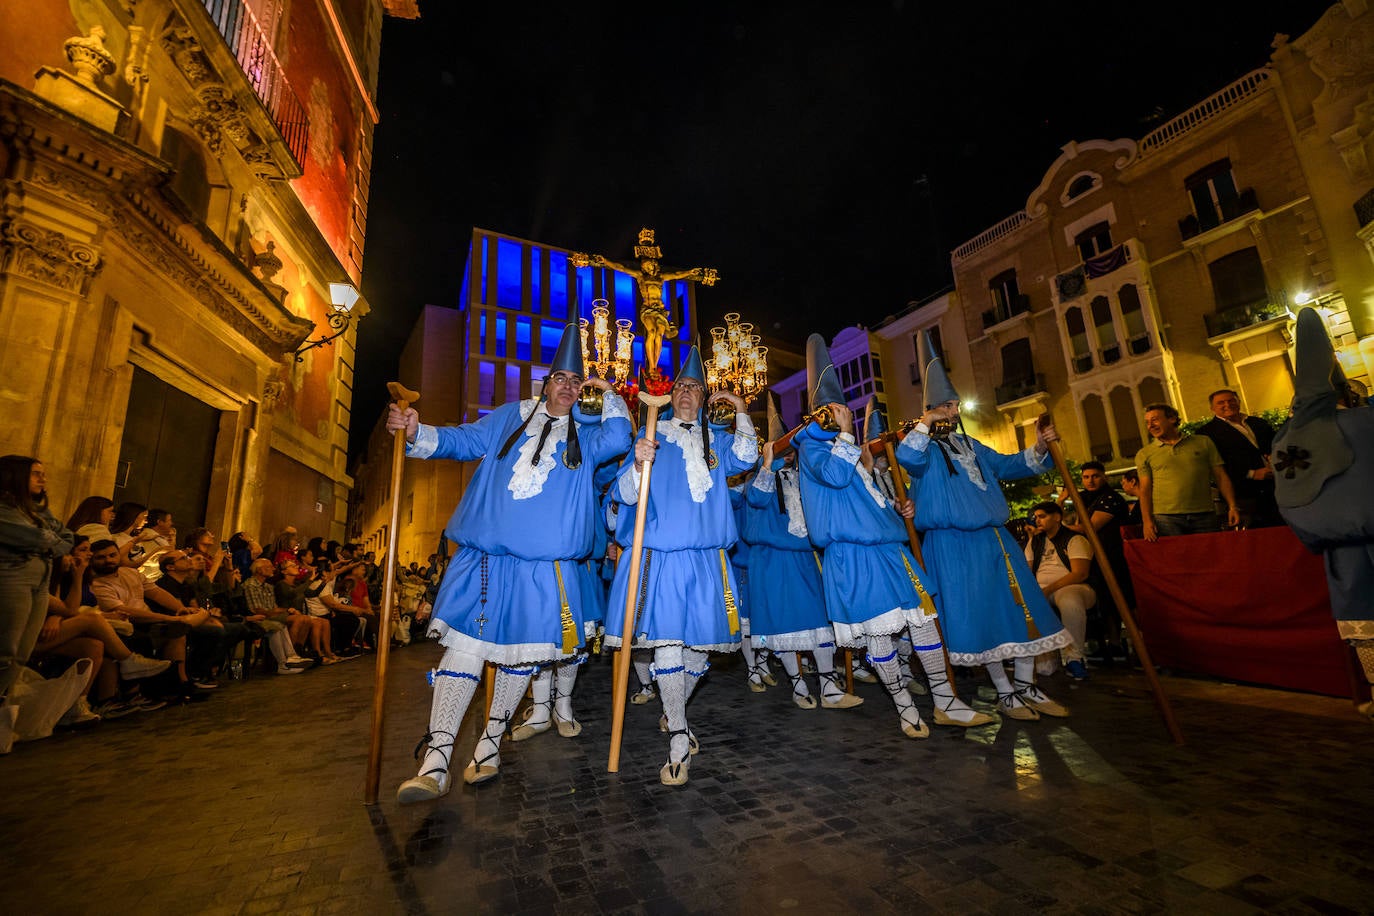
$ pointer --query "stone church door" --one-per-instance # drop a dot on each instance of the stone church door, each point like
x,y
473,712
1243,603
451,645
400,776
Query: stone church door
x,y
167,452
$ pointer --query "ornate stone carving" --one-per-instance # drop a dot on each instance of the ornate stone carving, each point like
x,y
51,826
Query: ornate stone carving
x,y
47,256
72,188
217,115
267,263
272,390
135,73
88,56
183,47
259,159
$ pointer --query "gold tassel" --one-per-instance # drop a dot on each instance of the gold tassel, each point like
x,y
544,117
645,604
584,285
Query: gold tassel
x,y
731,610
1032,631
927,602
565,614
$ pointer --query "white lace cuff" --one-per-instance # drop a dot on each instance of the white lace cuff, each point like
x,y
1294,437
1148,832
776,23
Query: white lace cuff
x,y
426,442
613,405
766,480
629,486
746,447
844,449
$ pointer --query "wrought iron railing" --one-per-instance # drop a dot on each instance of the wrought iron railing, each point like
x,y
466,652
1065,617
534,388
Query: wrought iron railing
x,y
252,48
1015,391
1243,316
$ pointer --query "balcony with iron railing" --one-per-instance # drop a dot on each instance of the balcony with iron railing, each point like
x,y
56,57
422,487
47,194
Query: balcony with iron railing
x,y
1240,317
1006,310
252,48
1016,390
1229,209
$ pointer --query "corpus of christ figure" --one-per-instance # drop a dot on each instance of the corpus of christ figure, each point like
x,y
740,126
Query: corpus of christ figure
x,y
653,315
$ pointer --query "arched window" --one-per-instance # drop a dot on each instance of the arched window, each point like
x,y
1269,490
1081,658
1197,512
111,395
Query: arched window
x,y
1127,425
1081,352
1107,347
1137,335
1099,437
1080,186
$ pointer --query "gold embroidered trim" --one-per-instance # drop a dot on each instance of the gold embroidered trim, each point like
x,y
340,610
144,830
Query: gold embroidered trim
x,y
565,613
731,610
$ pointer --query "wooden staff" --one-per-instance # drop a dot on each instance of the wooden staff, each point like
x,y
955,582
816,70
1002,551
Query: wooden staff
x,y
403,398
1161,699
622,661
899,487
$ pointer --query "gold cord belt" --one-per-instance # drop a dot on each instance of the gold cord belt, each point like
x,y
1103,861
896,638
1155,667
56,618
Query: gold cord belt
x,y
731,610
565,614
927,603
1032,630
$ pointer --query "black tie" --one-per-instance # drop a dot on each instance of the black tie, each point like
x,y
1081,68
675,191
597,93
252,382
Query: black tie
x,y
543,437
686,426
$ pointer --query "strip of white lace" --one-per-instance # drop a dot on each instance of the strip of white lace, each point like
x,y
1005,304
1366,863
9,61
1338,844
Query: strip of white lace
x,y
791,501
426,442
746,447
844,449
689,441
613,405
526,478
962,450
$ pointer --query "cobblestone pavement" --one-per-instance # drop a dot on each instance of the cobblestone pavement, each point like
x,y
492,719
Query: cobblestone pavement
x,y
251,803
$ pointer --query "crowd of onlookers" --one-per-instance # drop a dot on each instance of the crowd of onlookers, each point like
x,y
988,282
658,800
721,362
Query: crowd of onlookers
x,y
168,617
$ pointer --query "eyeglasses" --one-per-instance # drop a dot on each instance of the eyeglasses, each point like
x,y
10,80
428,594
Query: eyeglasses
x,y
571,381
690,386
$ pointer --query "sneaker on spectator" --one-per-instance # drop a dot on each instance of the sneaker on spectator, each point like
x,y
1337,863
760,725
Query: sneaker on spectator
x,y
114,708
205,683
1076,669
79,714
141,703
138,666
287,669
297,661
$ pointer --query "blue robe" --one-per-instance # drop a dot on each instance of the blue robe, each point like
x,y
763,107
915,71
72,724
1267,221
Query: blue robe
x,y
873,586
786,600
514,590
968,550
688,593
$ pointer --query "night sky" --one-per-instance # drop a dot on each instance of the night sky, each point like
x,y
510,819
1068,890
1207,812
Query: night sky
x,y
824,157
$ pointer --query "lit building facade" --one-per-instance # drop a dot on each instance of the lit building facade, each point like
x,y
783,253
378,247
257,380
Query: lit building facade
x,y
1162,269
181,188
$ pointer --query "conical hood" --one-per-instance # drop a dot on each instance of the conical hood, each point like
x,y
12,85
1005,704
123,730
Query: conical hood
x,y
874,424
568,357
775,428
692,367
1310,448
936,388
822,384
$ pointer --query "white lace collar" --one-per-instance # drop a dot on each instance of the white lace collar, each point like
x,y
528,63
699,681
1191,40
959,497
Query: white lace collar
x,y
526,478
689,441
962,452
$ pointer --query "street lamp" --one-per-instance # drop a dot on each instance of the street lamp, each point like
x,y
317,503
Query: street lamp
x,y
347,304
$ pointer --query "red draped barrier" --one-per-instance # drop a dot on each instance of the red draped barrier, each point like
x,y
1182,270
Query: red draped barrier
x,y
1246,605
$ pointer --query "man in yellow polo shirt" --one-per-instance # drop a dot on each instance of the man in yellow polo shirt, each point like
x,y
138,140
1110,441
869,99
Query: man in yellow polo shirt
x,y
1176,472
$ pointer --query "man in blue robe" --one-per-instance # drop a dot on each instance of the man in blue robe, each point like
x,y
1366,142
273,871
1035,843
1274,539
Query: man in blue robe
x,y
873,587
993,608
785,594
511,594
687,603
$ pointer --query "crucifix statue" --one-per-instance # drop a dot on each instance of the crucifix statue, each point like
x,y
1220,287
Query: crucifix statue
x,y
653,315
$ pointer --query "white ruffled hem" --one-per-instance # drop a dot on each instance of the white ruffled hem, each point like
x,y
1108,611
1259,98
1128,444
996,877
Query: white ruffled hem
x,y
523,654
855,635
1013,650
798,641
613,642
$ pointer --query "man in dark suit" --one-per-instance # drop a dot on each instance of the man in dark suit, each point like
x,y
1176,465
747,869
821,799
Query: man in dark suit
x,y
1244,443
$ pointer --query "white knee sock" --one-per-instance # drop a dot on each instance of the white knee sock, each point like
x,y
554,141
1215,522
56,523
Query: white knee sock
x,y
697,664
751,661
831,686
541,687
671,677
455,681
882,658
902,643
793,669
925,641
507,692
565,677
642,661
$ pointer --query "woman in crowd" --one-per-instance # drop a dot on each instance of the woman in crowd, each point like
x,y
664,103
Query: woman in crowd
x,y
291,594
129,519
93,518
30,540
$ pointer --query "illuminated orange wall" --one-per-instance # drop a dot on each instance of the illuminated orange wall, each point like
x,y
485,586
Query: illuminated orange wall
x,y
31,36
309,387
318,77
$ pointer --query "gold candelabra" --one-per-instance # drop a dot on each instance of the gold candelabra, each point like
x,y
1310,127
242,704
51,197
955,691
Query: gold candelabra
x,y
608,363
737,360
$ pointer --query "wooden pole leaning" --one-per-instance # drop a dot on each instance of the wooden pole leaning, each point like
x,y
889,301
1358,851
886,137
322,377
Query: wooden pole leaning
x,y
1166,711
621,679
403,398
899,487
